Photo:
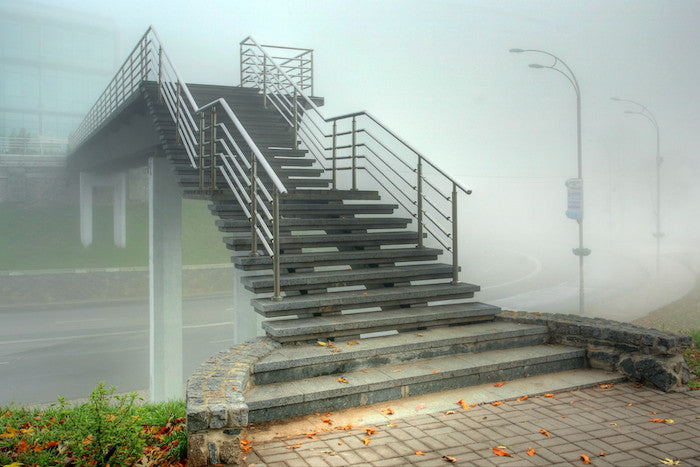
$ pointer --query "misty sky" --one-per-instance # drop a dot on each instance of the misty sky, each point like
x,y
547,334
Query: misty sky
x,y
439,74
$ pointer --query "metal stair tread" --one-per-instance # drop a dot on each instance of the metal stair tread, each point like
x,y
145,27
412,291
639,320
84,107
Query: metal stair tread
x,y
327,301
335,239
289,356
402,374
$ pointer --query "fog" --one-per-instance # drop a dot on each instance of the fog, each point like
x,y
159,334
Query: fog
x,y
440,75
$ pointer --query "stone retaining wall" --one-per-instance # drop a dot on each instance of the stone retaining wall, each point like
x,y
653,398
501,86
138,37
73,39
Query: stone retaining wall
x,y
216,410
647,355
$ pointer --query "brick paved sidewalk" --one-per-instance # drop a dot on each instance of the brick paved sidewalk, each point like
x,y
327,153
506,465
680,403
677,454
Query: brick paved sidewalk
x,y
615,421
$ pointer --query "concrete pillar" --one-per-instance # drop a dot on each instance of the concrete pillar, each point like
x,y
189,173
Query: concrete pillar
x,y
165,277
119,209
248,323
118,183
85,209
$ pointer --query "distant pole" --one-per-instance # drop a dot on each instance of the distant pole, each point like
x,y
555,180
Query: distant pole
x,y
569,75
646,113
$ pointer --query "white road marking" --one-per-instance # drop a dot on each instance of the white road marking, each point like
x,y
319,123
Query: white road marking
x,y
67,338
208,325
80,320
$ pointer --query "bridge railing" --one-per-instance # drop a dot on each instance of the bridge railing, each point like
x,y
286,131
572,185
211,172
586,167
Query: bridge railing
x,y
209,144
359,143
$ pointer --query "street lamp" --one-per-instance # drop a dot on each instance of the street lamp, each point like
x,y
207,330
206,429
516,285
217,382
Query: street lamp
x,y
576,185
646,113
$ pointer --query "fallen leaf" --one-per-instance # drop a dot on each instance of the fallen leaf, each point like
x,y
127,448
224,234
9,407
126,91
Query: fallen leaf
x,y
498,385
398,371
387,411
340,443
436,371
605,386
545,432
585,459
501,452
233,387
464,405
662,420
391,425
336,350
520,399
326,420
342,380
496,403
449,412
322,344
530,451
602,454
364,293
298,445
420,406
549,395
449,459
311,435
366,440
353,343
421,335
420,453
669,461
370,431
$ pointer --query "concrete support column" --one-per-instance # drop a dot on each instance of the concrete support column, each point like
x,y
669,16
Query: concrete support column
x,y
248,323
119,210
165,277
85,209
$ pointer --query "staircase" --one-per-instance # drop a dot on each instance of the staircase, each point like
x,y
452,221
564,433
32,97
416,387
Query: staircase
x,y
349,279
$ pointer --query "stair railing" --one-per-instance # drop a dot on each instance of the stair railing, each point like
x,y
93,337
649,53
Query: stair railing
x,y
340,144
205,137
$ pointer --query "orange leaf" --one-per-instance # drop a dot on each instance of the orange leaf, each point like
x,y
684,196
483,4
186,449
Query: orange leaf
x,y
420,453
602,454
370,431
549,395
545,432
311,435
298,445
233,387
326,420
501,452
436,371
585,459
353,343
449,459
605,386
387,411
366,440
520,399
464,405
342,380
498,385
449,412
496,403
530,451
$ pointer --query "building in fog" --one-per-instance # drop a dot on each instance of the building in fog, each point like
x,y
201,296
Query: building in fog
x,y
54,63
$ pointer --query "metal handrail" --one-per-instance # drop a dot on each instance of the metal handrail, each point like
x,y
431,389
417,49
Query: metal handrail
x,y
148,61
260,69
33,145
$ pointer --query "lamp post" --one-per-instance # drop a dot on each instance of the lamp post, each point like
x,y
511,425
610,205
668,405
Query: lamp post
x,y
646,113
578,216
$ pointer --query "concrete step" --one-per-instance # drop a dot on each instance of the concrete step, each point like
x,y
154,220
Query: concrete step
x,y
300,361
392,382
355,299
296,208
332,195
332,258
242,224
346,277
399,319
243,242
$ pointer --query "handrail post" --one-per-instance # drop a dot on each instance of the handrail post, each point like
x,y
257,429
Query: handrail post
x,y
212,160
253,205
160,74
296,122
240,59
177,117
335,168
276,243
201,151
419,202
312,72
455,253
354,154
264,81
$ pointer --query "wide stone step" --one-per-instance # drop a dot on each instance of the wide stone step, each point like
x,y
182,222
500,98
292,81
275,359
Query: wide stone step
x,y
340,278
354,324
243,242
242,224
300,361
354,299
332,258
392,382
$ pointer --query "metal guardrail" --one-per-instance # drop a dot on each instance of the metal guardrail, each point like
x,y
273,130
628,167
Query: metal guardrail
x,y
296,63
33,146
340,143
198,130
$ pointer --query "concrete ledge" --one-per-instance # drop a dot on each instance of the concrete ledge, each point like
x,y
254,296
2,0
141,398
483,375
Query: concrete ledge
x,y
647,355
216,409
